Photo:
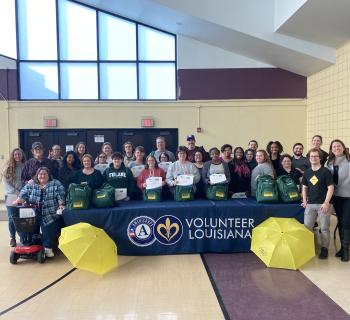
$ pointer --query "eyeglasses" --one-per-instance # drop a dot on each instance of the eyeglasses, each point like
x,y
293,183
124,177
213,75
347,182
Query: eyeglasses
x,y
104,157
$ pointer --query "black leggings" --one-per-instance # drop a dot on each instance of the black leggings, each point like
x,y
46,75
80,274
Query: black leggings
x,y
342,209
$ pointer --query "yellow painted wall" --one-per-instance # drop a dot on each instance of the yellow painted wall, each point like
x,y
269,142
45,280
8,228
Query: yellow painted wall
x,y
328,103
234,121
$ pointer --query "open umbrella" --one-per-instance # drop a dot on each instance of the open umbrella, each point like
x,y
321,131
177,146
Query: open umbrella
x,y
88,248
283,243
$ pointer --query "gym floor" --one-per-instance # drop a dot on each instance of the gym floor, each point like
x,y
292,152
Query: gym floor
x,y
209,286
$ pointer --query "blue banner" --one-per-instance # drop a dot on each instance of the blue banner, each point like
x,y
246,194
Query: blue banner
x,y
144,228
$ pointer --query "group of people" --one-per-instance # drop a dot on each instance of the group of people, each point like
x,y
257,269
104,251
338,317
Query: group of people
x,y
44,181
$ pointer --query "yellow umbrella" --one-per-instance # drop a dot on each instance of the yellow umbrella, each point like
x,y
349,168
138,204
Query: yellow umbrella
x,y
88,248
283,243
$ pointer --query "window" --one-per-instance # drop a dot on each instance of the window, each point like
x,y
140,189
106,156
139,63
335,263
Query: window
x,y
39,80
8,28
68,50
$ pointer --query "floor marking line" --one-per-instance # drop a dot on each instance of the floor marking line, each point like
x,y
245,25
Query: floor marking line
x,y
216,290
36,293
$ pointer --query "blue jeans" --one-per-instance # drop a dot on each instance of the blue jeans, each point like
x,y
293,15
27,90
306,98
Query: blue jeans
x,y
11,225
50,232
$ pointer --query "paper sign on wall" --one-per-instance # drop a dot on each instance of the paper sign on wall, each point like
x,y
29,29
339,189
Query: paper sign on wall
x,y
98,138
69,147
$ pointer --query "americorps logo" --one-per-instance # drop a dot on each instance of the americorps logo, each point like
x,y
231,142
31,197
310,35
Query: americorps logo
x,y
141,231
168,230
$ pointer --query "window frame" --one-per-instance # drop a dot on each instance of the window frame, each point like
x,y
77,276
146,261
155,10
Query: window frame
x,y
98,61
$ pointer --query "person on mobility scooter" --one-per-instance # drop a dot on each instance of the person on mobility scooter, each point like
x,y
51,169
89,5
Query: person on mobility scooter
x,y
49,196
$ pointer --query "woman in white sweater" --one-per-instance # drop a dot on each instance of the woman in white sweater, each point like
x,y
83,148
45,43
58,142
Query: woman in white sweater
x,y
11,179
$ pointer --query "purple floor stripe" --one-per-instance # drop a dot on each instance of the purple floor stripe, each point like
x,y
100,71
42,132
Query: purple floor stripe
x,y
251,291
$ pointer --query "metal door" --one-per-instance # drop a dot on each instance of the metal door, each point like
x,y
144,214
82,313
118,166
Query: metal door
x,y
96,137
27,137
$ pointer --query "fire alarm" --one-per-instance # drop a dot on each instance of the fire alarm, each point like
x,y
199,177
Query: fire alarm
x,y
199,130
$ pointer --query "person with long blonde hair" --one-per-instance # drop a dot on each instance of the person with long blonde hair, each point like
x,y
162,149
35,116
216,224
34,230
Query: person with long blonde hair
x,y
12,183
264,167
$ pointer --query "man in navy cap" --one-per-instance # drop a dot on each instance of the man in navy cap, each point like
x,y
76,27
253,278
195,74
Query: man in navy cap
x,y
38,160
192,149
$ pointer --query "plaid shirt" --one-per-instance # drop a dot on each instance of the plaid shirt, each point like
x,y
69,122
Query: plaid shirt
x,y
52,197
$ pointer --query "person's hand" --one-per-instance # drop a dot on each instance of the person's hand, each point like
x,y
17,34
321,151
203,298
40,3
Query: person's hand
x,y
17,202
144,185
303,204
325,207
163,183
174,183
127,198
62,206
31,181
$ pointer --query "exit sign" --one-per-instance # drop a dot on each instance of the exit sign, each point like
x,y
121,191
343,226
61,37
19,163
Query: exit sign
x,y
147,122
50,122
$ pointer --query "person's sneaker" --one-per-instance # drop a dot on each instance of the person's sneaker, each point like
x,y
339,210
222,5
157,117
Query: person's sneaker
x,y
49,253
323,254
13,242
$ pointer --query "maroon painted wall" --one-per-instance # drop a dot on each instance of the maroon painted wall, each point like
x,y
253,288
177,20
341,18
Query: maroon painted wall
x,y
8,84
245,83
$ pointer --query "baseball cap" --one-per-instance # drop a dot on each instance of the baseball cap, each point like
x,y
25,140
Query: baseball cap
x,y
37,144
190,137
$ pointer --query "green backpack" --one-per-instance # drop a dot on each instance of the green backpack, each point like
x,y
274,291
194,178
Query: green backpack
x,y
217,192
78,196
153,195
288,189
184,193
104,197
266,190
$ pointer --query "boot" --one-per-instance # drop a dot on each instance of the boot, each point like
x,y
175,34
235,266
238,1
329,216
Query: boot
x,y
339,254
345,245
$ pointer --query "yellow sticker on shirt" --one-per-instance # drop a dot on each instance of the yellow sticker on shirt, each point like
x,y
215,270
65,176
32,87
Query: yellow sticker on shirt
x,y
314,180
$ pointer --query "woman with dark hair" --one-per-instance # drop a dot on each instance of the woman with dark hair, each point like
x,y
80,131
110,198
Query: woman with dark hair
x,y
181,167
48,194
317,143
264,167
214,166
198,162
339,164
12,183
87,175
226,151
151,170
81,149
164,157
286,169
275,149
249,155
70,164
240,173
